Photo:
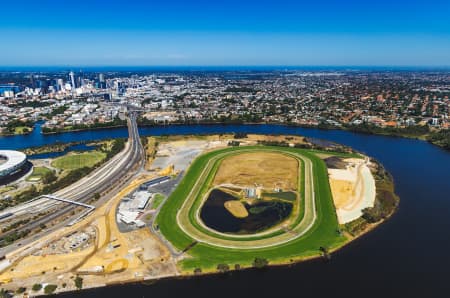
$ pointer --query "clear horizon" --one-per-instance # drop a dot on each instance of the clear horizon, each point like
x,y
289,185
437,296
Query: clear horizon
x,y
234,33
221,67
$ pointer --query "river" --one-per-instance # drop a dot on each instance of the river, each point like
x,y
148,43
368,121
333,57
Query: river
x,y
405,257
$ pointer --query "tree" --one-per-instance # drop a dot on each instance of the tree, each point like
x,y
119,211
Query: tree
x,y
79,282
240,135
325,252
4,293
49,289
96,196
36,287
222,268
49,177
260,263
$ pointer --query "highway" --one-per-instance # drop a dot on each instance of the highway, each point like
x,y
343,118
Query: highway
x,y
113,173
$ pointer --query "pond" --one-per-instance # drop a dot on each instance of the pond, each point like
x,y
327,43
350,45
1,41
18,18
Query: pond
x,y
261,214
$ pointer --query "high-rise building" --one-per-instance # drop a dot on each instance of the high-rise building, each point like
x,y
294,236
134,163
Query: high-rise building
x,y
32,82
79,78
72,80
60,85
101,78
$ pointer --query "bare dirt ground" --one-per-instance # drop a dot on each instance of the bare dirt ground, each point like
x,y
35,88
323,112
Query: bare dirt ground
x,y
236,208
287,139
342,191
149,152
181,153
114,257
353,189
265,169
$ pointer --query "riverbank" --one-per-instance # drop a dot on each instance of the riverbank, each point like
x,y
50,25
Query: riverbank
x,y
36,139
24,130
59,147
386,204
83,129
440,138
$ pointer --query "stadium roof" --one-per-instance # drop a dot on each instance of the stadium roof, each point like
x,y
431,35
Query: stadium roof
x,y
13,158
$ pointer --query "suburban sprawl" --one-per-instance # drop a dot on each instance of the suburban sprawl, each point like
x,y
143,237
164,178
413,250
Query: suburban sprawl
x,y
403,103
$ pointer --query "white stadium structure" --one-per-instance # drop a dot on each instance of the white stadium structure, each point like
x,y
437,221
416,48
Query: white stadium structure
x,y
11,162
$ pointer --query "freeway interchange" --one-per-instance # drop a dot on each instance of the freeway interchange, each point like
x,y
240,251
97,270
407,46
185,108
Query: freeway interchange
x,y
113,174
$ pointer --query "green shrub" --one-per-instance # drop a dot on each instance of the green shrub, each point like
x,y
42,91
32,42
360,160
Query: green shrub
x,y
78,282
36,287
223,268
49,289
260,263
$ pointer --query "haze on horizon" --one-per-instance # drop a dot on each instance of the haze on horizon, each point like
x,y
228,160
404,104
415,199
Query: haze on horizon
x,y
229,33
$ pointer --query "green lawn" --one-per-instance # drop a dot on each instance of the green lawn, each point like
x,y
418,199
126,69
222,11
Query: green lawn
x,y
22,129
284,195
73,161
38,173
323,233
157,200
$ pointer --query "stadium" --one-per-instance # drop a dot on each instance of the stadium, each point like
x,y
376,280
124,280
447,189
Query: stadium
x,y
13,165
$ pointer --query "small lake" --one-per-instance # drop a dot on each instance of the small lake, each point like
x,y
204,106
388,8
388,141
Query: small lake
x,y
261,215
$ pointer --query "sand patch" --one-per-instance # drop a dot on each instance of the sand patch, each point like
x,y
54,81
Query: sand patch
x,y
342,190
236,208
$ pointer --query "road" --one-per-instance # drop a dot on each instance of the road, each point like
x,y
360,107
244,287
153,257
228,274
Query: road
x,y
116,171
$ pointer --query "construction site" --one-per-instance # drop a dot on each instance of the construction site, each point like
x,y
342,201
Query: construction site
x,y
112,243
353,188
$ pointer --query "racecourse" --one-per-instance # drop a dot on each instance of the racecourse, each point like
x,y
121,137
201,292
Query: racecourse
x,y
313,223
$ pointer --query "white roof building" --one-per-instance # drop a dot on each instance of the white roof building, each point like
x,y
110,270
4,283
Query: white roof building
x,y
14,160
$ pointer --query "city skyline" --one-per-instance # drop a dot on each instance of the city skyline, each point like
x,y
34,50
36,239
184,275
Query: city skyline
x,y
200,33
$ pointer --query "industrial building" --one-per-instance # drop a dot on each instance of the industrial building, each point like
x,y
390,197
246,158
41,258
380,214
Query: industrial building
x,y
155,181
132,207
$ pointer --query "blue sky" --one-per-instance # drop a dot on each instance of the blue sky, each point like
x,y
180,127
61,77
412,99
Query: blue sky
x,y
264,32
